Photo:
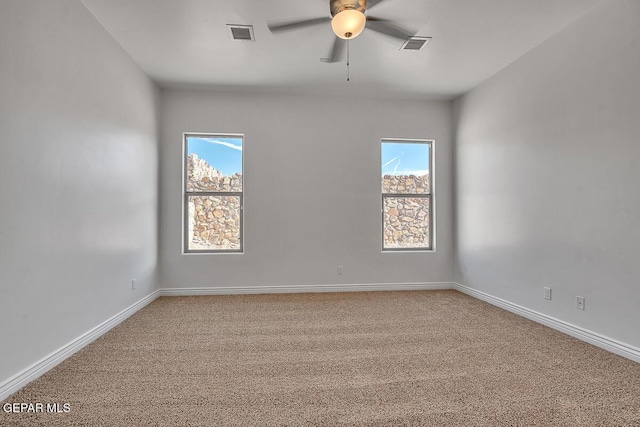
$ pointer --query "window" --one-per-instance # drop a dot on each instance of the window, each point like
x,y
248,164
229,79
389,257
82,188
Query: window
x,y
213,193
407,195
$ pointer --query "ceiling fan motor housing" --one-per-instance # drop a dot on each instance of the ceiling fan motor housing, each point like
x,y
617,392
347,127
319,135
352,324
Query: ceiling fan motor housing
x,y
340,5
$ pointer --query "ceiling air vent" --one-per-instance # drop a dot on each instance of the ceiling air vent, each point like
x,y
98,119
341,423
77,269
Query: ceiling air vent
x,y
415,43
241,33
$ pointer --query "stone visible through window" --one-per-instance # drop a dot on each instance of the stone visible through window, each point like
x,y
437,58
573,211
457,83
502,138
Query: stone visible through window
x,y
407,195
213,193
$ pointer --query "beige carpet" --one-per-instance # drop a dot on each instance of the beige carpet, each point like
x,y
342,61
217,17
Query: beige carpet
x,y
432,358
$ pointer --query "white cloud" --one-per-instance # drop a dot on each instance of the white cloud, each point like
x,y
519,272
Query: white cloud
x,y
396,167
226,144
391,161
419,172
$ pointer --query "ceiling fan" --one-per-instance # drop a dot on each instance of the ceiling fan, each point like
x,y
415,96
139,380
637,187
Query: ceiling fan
x,y
348,20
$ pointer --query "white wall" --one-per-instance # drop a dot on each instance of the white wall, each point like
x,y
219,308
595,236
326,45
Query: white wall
x,y
547,173
312,189
78,178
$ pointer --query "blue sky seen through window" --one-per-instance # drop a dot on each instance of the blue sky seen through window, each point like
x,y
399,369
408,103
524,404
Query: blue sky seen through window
x,y
224,154
405,158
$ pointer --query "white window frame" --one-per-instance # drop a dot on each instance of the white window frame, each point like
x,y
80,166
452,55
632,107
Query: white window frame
x,y
186,194
430,196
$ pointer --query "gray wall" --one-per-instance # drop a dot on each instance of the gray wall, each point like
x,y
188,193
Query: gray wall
x,y
547,173
78,178
312,189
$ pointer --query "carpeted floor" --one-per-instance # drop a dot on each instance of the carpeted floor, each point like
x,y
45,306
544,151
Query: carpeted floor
x,y
432,358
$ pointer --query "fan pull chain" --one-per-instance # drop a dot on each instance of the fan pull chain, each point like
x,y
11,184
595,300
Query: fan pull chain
x,y
348,78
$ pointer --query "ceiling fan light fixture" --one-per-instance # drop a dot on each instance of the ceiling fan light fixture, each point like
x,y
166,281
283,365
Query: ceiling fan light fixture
x,y
348,23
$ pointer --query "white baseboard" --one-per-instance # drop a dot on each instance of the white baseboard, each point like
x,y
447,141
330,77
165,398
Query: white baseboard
x,y
606,343
237,290
32,372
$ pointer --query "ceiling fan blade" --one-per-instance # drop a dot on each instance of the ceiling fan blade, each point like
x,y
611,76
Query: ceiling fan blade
x,y
336,51
384,26
299,23
372,3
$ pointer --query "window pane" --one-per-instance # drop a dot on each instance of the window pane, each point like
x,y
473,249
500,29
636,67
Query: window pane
x,y
214,223
405,167
214,164
406,222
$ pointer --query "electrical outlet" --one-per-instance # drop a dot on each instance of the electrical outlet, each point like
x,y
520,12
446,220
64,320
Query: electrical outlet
x,y
547,293
340,270
133,284
580,303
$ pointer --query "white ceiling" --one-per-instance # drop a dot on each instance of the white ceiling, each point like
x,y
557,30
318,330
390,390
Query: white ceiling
x,y
185,43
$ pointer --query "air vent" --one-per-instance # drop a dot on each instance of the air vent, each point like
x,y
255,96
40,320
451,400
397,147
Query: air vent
x,y
241,33
415,43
